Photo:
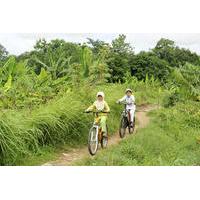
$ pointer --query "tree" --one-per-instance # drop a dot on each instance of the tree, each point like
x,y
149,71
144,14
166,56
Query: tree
x,y
3,54
119,58
184,56
147,63
75,75
97,45
165,49
50,53
57,66
99,72
86,59
186,79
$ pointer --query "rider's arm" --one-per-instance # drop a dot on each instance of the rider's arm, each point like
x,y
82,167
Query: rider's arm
x,y
122,99
106,107
133,99
91,108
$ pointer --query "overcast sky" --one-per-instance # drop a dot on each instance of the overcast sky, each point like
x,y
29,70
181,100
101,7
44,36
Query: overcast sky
x,y
17,43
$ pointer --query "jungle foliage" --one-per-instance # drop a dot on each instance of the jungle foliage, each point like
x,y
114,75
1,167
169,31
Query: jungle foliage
x,y
43,91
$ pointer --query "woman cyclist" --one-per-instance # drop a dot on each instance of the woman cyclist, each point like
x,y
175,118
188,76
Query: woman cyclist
x,y
100,106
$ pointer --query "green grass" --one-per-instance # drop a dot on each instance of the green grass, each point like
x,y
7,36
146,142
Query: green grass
x,y
31,133
168,140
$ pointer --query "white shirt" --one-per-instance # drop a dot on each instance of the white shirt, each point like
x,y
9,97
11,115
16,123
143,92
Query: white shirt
x,y
130,101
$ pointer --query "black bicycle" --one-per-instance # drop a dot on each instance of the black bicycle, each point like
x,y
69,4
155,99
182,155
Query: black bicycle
x,y
125,122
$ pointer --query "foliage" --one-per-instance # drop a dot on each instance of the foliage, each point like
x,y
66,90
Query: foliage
x,y
54,56
3,55
147,63
119,58
165,49
43,93
86,60
184,83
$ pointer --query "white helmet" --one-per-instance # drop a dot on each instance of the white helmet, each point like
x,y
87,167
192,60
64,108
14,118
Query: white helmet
x,y
129,90
100,94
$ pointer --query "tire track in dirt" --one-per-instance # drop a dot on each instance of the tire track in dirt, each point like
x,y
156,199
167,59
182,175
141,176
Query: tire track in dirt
x,y
66,159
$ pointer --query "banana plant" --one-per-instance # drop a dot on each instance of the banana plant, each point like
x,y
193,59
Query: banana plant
x,y
6,70
187,78
86,60
11,71
56,66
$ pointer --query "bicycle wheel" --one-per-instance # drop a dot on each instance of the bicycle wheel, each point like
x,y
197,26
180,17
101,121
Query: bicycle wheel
x,y
131,129
134,123
93,141
104,139
123,126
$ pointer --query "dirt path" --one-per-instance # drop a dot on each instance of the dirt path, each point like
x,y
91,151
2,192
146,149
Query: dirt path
x,y
78,153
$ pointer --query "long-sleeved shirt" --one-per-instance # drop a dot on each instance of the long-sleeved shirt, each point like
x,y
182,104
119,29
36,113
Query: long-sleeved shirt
x,y
129,100
102,107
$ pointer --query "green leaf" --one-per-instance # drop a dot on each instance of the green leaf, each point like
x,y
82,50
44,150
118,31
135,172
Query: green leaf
x,y
8,84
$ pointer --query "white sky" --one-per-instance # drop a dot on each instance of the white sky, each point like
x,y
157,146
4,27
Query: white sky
x,y
17,43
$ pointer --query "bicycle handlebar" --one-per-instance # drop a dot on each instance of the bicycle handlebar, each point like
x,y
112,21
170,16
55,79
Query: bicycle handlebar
x,y
95,112
124,103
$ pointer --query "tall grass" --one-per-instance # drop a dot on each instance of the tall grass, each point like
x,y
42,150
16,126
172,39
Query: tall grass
x,y
61,120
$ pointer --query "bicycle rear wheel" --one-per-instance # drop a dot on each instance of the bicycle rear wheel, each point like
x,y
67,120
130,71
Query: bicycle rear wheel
x,y
123,126
131,129
104,139
93,141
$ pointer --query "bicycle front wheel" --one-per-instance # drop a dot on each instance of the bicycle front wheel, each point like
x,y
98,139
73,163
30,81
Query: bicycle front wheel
x,y
93,141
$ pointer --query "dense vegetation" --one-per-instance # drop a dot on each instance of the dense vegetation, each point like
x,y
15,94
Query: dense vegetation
x,y
43,93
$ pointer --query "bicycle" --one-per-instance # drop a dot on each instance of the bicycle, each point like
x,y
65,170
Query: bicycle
x,y
125,122
95,135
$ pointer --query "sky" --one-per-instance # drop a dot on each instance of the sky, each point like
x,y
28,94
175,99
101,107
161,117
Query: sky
x,y
17,43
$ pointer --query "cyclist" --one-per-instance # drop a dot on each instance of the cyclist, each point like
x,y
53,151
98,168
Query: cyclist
x,y
100,106
130,106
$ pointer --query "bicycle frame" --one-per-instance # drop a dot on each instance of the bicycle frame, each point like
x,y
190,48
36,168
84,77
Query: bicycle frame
x,y
97,127
125,121
126,113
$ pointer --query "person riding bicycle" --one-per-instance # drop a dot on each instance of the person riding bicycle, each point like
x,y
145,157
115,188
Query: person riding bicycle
x,y
129,99
100,106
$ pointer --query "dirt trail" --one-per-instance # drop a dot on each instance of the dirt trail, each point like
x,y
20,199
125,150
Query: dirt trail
x,y
78,153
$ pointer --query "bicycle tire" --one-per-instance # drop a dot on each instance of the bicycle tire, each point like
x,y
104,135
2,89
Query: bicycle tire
x,y
122,128
92,150
104,139
131,129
